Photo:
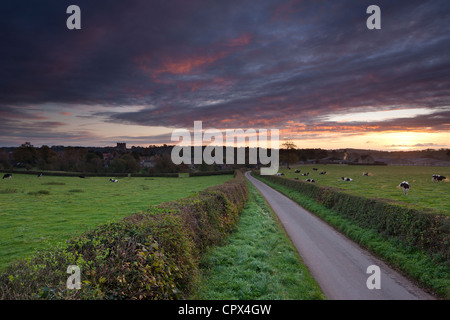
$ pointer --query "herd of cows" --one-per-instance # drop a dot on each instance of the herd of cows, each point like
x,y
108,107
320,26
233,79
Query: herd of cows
x,y
404,185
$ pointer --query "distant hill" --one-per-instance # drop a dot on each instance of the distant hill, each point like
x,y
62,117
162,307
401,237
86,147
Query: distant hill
x,y
428,157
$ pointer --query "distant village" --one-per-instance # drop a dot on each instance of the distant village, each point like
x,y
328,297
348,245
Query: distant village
x,y
157,159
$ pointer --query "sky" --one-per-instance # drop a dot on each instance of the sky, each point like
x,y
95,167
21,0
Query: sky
x,y
139,69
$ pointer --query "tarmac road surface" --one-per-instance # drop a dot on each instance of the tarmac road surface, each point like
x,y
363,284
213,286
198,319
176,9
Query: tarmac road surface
x,y
339,265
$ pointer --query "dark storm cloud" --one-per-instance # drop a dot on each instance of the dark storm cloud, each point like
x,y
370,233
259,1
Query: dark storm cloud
x,y
228,63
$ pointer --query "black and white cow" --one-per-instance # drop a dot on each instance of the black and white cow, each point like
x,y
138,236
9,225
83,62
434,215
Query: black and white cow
x,y
310,180
297,171
315,169
437,177
279,174
7,176
405,186
346,179
305,174
365,174
323,172
40,175
113,180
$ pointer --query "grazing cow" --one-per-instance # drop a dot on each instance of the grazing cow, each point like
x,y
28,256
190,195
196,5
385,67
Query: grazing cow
x,y
39,175
297,171
7,176
365,174
437,177
113,180
323,172
280,174
405,186
346,179
305,174
82,177
315,169
310,180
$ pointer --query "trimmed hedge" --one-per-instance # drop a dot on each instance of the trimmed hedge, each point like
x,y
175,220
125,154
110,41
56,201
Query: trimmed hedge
x,y
92,174
148,255
210,173
426,231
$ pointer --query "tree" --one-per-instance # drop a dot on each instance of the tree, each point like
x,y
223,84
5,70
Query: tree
x,y
93,162
289,146
47,158
4,160
164,164
25,156
125,164
73,159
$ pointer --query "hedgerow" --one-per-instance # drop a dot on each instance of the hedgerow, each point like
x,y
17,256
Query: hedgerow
x,y
92,174
147,255
427,231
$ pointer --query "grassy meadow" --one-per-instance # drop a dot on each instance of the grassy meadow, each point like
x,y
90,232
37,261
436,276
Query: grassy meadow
x,y
382,182
38,212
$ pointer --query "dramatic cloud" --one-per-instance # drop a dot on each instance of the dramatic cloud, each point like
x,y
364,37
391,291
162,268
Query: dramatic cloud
x,y
232,64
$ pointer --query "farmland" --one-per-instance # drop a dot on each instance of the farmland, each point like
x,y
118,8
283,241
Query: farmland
x,y
38,212
382,182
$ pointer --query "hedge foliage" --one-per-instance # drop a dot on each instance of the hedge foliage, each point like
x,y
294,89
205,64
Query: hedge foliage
x,y
210,173
426,231
148,255
92,174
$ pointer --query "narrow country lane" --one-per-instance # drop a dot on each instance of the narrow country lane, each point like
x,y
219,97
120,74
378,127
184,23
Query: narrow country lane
x,y
338,264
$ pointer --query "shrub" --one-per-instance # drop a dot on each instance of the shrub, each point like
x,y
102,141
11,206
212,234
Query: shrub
x,y
148,255
8,190
210,173
40,192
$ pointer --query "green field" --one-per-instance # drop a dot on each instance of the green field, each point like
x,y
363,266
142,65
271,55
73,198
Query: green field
x,y
36,212
382,182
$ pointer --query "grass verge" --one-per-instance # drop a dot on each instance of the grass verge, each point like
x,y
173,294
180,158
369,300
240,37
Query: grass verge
x,y
258,261
430,272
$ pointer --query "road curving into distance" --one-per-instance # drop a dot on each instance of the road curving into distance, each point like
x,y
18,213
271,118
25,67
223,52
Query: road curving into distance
x,y
339,265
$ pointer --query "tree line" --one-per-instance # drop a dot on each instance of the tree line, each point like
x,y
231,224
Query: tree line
x,y
112,160
76,159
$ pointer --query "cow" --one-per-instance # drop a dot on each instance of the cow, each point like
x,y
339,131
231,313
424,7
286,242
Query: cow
x,y
297,171
365,174
39,175
305,174
310,180
437,177
113,180
323,172
315,169
280,174
7,176
346,179
296,178
405,186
